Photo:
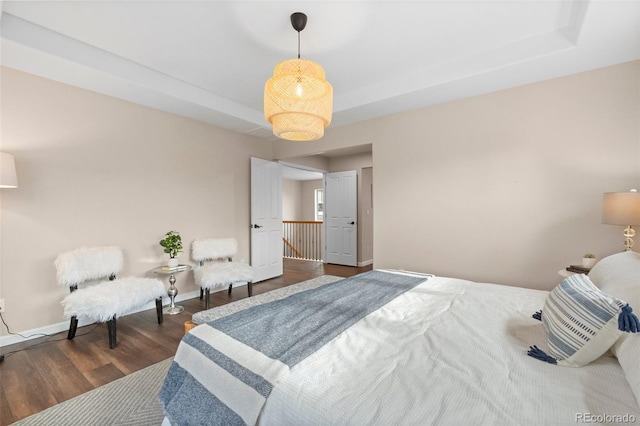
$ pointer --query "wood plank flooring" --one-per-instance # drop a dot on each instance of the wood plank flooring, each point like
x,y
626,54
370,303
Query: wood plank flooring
x,y
53,369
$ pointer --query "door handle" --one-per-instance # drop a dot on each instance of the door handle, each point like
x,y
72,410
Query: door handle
x,y
352,223
255,226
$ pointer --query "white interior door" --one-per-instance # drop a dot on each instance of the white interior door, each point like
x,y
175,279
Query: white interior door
x,y
266,219
340,216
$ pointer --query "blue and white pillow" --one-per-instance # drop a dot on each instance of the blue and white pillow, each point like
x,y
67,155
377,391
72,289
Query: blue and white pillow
x,y
582,323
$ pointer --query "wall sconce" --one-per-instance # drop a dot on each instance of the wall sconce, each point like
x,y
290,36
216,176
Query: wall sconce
x,y
622,208
8,177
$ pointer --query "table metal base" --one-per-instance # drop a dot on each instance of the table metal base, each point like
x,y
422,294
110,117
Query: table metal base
x,y
172,291
172,310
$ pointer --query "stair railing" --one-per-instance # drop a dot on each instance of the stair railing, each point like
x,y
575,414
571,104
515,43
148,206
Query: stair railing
x,y
302,239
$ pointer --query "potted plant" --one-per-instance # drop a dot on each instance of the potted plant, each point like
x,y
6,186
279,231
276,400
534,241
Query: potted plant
x,y
588,260
172,244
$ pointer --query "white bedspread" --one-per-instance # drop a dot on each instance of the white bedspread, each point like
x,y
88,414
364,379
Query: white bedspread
x,y
448,352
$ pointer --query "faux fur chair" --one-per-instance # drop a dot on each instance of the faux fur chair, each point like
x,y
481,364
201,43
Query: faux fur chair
x,y
216,268
105,300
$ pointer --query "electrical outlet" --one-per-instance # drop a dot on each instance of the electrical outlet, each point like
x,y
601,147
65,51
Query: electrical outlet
x,y
1,305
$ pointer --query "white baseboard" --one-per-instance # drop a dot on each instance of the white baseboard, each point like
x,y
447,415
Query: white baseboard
x,y
365,263
63,326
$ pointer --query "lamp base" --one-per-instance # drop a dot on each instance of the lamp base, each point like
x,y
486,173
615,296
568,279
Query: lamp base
x,y
629,233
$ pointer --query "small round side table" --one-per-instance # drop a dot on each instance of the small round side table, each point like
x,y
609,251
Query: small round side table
x,y
172,292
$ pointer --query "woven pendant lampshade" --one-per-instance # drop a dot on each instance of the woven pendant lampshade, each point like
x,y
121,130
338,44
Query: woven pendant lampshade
x,y
298,100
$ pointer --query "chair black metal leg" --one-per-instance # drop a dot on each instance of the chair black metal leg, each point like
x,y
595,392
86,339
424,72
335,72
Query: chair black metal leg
x,y
159,310
206,299
111,325
73,326
230,286
201,293
250,288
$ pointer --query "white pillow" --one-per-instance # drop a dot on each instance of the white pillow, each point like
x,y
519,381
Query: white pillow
x,y
581,323
617,271
619,276
627,350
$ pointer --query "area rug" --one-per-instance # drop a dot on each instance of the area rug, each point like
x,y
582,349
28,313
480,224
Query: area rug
x,y
131,400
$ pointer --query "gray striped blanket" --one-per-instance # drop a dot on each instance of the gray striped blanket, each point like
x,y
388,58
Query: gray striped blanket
x,y
223,371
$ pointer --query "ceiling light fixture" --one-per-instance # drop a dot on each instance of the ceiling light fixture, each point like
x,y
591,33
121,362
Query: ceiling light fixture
x,y
298,99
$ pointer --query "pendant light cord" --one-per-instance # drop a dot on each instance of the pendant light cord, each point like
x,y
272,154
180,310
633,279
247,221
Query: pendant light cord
x,y
298,44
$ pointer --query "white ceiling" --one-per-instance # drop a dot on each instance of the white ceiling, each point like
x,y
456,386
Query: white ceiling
x,y
209,60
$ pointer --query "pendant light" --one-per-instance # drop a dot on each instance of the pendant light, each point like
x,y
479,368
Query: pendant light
x,y
298,99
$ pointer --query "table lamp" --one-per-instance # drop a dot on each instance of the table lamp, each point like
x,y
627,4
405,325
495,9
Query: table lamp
x,y
622,208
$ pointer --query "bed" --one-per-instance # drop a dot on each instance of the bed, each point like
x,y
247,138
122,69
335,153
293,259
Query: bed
x,y
434,350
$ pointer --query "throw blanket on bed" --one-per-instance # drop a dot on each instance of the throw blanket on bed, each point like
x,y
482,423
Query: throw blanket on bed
x,y
224,371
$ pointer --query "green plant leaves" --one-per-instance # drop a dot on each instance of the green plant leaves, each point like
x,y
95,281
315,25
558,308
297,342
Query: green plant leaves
x,y
172,243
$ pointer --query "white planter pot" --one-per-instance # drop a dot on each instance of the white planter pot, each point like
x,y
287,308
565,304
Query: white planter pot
x,y
172,262
588,262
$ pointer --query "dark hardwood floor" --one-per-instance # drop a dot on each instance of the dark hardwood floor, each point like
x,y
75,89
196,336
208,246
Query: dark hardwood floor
x,y
43,372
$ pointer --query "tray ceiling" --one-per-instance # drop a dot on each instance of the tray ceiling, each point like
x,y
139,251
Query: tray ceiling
x,y
209,60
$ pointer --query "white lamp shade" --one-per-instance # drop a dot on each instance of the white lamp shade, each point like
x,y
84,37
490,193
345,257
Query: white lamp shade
x,y
8,177
621,208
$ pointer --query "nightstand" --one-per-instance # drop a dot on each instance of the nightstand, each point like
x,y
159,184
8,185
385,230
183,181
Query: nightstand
x,y
574,269
564,273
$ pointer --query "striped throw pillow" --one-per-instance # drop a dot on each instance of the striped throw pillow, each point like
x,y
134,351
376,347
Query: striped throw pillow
x,y
582,323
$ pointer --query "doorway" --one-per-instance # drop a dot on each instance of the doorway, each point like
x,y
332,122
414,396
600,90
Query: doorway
x,y
358,158
303,212
301,187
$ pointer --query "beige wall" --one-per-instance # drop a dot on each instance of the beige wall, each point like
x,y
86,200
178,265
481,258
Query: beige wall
x,y
365,217
317,162
351,162
291,199
95,170
298,199
504,187
307,200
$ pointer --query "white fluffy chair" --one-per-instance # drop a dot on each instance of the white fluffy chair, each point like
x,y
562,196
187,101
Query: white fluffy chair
x,y
106,300
212,273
